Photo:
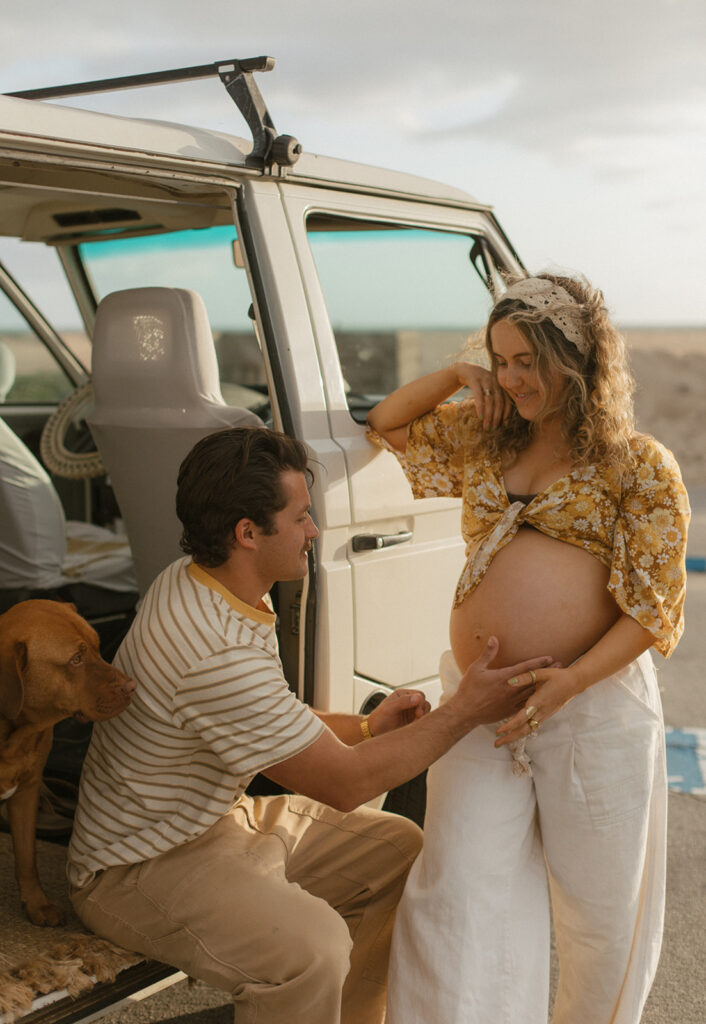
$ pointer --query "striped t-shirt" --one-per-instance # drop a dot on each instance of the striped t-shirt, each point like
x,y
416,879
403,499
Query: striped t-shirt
x,y
211,709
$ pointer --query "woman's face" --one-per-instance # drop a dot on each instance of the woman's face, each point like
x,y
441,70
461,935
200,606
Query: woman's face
x,y
515,365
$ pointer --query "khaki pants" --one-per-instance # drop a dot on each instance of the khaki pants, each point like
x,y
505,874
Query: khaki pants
x,y
285,903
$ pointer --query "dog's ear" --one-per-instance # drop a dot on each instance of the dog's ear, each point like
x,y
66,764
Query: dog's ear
x,y
13,662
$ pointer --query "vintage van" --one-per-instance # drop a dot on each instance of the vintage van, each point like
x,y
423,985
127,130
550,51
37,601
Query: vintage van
x,y
227,281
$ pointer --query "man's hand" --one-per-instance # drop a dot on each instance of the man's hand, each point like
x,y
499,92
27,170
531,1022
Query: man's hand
x,y
342,770
486,695
399,708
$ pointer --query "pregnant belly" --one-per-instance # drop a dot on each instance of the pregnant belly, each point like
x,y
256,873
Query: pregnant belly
x,y
539,596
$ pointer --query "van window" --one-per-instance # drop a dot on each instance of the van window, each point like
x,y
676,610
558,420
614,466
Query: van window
x,y
200,260
38,270
29,373
401,301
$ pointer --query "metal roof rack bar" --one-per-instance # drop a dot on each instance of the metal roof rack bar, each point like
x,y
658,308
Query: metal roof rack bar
x,y
237,77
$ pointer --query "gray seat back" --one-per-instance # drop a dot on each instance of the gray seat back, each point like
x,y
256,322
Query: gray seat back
x,y
157,392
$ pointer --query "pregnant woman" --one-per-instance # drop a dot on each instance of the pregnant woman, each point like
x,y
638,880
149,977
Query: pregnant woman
x,y
575,527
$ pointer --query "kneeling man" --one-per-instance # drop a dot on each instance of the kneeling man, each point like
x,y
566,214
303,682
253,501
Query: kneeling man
x,y
287,902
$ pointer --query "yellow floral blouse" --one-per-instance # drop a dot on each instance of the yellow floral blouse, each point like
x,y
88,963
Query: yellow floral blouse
x,y
635,526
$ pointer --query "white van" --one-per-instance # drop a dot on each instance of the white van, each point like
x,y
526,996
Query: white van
x,y
326,284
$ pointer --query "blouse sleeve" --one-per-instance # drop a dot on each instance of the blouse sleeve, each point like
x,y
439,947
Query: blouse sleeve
x,y
433,460
648,569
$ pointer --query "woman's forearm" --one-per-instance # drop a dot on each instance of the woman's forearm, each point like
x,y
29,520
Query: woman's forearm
x,y
621,644
391,417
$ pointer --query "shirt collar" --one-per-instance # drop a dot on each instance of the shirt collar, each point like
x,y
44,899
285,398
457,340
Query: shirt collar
x,y
262,615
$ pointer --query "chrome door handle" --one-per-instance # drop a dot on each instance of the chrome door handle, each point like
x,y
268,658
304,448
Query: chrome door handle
x,y
375,541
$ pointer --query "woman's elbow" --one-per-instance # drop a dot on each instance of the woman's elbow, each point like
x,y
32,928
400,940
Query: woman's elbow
x,y
373,420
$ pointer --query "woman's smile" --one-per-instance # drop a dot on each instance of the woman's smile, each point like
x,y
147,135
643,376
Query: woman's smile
x,y
515,367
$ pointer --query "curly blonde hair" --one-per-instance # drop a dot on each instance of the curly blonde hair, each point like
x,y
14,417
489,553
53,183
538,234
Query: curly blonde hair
x,y
596,403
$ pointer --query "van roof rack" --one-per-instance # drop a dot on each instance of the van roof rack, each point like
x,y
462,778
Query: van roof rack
x,y
237,76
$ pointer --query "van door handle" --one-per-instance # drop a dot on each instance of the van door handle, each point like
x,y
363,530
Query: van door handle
x,y
375,541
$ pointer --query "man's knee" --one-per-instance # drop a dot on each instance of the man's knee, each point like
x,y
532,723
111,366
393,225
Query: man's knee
x,y
313,950
324,949
315,944
409,837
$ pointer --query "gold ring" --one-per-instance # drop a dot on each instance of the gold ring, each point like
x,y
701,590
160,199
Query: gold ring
x,y
533,677
530,711
533,724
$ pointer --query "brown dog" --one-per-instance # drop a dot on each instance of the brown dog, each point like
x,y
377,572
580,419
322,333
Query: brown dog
x,y
50,669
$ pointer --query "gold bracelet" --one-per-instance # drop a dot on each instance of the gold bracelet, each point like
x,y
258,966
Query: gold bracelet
x,y
365,729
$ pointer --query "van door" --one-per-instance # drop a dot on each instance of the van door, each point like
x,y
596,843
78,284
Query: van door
x,y
393,294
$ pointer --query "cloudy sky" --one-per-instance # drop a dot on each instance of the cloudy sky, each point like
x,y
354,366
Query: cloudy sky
x,y
582,121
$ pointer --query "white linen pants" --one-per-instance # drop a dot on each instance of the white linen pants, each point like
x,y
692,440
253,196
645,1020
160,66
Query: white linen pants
x,y
471,942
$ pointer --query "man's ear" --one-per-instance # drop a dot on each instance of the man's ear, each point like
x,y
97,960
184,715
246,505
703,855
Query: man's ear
x,y
13,662
246,533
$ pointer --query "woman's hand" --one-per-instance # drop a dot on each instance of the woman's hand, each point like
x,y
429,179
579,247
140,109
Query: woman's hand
x,y
492,403
400,708
555,688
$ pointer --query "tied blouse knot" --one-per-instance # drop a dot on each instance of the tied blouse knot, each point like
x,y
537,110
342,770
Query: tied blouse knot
x,y
634,522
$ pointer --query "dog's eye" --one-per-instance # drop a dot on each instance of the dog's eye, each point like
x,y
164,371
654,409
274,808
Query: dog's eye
x,y
77,659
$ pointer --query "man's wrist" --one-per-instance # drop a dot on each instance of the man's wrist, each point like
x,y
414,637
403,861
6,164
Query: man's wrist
x,y
365,728
459,719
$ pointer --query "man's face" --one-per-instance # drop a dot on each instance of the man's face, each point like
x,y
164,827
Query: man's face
x,y
284,552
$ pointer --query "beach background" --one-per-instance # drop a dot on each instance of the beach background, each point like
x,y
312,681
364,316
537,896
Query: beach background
x,y
669,365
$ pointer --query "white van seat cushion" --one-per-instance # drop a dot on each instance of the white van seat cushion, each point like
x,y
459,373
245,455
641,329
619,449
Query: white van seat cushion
x,y
98,557
32,525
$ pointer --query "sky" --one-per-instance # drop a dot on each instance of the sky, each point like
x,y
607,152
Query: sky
x,y
582,123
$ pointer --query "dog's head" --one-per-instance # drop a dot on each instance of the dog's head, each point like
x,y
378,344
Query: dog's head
x,y
51,668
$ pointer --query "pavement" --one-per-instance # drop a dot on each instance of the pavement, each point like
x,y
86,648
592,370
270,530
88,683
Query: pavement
x,y
679,992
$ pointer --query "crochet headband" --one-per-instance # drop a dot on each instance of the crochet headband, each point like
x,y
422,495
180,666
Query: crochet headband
x,y
555,303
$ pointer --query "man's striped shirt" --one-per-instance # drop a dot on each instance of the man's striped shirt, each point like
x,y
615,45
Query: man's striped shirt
x,y
211,709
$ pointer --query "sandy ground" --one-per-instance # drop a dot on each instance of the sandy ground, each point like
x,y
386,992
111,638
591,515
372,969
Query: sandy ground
x,y
670,374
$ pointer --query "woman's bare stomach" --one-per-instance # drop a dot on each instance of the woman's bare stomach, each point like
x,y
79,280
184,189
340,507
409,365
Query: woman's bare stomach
x,y
539,596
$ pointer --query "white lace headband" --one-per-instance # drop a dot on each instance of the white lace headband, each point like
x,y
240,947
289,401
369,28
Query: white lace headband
x,y
541,294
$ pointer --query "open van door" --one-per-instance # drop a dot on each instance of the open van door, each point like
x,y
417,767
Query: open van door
x,y
393,292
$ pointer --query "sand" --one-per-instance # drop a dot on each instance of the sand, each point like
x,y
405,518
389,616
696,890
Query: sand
x,y
669,366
